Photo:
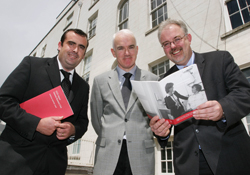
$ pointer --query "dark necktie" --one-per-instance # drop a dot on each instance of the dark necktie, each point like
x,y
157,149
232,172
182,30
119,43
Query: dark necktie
x,y
66,84
126,89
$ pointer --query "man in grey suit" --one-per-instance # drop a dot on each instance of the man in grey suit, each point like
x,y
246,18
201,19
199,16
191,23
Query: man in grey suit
x,y
215,141
125,144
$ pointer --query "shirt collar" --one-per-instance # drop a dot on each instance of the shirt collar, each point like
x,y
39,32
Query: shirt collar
x,y
61,68
122,72
190,62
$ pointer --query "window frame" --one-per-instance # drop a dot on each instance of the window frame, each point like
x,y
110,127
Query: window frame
x,y
165,66
86,67
123,20
91,27
240,10
155,10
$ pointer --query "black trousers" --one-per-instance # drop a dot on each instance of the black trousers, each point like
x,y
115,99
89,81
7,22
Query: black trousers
x,y
123,165
204,168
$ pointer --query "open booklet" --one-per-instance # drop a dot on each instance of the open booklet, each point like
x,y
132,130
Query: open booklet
x,y
174,97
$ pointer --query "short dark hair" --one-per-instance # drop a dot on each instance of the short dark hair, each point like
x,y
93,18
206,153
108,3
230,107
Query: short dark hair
x,y
197,87
76,31
168,86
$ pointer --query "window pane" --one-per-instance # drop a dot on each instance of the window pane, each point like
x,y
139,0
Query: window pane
x,y
236,20
168,144
120,18
232,7
125,25
154,23
163,167
154,15
153,4
159,2
169,154
163,154
161,68
170,170
160,11
246,15
125,11
160,19
242,3
154,70
165,8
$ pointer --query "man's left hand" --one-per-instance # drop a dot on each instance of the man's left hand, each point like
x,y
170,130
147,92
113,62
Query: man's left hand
x,y
210,110
65,130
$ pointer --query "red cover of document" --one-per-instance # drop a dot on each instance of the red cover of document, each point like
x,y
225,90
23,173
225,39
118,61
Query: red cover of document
x,y
50,103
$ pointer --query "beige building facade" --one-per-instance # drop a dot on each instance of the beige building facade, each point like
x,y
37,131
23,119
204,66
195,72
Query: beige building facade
x,y
213,24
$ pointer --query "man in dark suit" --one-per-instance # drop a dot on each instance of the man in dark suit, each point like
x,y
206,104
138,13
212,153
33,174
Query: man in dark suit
x,y
215,141
173,102
29,144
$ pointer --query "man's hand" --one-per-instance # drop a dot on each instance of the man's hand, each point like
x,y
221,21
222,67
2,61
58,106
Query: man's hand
x,y
47,126
210,110
159,127
65,130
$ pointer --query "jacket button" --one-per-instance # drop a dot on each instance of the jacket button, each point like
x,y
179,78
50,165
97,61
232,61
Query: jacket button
x,y
197,131
126,120
119,141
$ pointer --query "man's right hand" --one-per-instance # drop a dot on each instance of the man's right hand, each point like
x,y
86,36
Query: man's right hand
x,y
47,126
159,126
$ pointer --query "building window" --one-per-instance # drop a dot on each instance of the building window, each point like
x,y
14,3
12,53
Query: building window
x,y
158,11
86,68
92,26
239,12
76,147
167,158
123,16
43,50
161,68
69,20
246,72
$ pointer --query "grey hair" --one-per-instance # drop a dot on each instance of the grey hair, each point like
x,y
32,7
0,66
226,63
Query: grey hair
x,y
124,31
169,21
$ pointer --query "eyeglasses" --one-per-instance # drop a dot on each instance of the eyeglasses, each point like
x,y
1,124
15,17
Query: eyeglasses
x,y
176,41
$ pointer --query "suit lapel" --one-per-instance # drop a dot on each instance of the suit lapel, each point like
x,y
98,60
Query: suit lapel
x,y
53,72
199,60
113,83
133,96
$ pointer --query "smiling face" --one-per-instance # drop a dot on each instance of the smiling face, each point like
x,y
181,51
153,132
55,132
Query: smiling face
x,y
125,50
72,50
180,53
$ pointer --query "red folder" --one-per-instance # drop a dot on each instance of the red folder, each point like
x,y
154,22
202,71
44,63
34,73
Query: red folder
x,y
50,103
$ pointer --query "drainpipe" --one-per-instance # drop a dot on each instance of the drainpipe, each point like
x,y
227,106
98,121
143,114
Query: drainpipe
x,y
78,16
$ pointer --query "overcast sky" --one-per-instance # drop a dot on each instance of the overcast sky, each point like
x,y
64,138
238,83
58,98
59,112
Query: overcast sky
x,y
23,24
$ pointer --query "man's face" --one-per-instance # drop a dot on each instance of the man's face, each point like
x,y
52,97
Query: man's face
x,y
72,50
125,51
178,53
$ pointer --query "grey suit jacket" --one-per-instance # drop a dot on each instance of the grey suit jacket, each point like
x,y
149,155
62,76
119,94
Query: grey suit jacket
x,y
226,146
111,120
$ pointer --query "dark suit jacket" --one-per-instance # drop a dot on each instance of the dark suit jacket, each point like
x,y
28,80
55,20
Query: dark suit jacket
x,y
21,147
170,104
226,146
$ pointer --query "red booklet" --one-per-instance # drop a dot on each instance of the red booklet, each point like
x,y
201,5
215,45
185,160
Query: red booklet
x,y
50,103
